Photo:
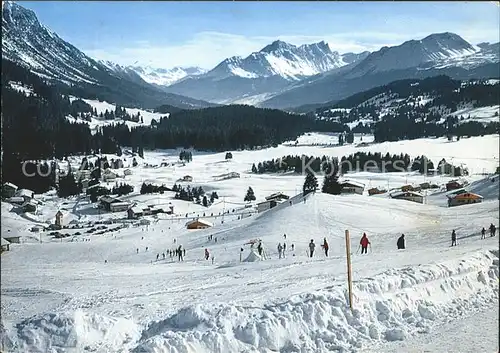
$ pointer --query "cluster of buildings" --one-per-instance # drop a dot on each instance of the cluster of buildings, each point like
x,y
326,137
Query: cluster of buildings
x,y
134,210
23,198
458,195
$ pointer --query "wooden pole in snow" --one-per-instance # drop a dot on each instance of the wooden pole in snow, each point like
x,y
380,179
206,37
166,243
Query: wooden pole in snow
x,y
349,272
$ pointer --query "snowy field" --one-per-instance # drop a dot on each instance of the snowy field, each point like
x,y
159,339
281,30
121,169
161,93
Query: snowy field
x,y
106,293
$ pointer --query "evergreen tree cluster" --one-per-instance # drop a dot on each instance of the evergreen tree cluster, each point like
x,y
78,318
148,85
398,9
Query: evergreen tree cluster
x,y
186,156
68,186
148,188
122,189
331,183
407,129
213,197
188,193
97,192
37,176
120,113
217,129
359,161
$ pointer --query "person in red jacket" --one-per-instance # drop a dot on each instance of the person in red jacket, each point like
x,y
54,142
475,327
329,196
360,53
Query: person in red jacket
x,y
364,244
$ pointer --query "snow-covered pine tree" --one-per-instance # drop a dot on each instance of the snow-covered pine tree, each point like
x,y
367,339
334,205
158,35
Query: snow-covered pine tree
x,y
250,196
331,181
310,183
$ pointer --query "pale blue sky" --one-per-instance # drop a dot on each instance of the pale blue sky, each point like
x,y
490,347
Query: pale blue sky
x,y
167,34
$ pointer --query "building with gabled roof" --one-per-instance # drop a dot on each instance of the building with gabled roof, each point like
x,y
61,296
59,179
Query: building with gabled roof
x,y
351,187
408,196
198,224
464,198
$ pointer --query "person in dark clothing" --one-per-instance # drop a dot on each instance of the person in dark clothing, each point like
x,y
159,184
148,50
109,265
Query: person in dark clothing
x,y
179,250
207,254
157,257
364,242
325,247
183,252
311,248
453,238
259,248
483,233
401,242
137,250
163,254
492,230
284,236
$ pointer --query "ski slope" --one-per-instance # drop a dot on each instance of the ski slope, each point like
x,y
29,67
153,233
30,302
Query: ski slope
x,y
108,294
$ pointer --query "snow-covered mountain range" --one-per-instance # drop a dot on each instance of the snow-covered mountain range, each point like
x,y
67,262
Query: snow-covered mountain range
x,y
157,76
269,70
283,59
437,54
27,42
280,75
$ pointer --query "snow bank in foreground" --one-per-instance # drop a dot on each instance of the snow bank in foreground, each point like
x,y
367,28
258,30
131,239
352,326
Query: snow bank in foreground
x,y
390,306
74,332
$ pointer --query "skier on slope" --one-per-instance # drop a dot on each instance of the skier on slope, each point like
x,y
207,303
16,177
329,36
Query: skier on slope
x,y
401,242
453,238
325,247
280,250
483,233
364,242
207,254
311,248
284,249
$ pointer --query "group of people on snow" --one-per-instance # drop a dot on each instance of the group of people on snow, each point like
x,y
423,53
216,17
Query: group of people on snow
x,y
492,229
179,252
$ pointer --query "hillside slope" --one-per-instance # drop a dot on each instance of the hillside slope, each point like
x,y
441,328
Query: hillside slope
x,y
27,42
